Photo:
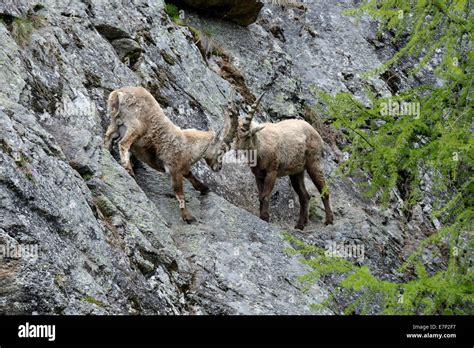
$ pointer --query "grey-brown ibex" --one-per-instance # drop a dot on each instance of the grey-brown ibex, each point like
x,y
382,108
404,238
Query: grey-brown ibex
x,y
142,128
285,148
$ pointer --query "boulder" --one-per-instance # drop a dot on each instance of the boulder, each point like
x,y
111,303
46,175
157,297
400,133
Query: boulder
x,y
243,12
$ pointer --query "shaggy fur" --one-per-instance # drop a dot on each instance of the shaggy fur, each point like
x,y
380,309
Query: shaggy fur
x,y
285,148
142,128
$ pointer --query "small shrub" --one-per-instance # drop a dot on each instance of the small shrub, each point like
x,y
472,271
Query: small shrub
x,y
448,291
21,28
173,12
93,300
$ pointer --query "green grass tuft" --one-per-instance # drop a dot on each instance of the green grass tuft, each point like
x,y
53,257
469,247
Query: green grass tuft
x,y
173,12
93,300
21,28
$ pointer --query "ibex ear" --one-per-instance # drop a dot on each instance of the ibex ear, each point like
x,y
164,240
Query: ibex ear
x,y
257,129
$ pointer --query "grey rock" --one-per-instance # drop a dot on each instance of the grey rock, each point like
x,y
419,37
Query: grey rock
x,y
108,244
111,33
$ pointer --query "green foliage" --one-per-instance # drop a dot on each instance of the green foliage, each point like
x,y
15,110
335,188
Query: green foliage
x,y
430,25
21,28
423,130
173,11
449,291
104,206
437,139
195,32
203,39
93,300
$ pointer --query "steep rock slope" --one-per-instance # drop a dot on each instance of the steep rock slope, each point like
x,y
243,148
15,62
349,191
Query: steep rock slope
x,y
110,244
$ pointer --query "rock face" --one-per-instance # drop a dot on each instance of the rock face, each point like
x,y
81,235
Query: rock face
x,y
104,243
243,12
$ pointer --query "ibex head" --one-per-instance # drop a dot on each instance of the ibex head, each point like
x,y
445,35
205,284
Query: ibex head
x,y
223,138
246,135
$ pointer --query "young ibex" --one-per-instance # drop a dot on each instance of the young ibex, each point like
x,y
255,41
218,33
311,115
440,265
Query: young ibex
x,y
284,148
143,128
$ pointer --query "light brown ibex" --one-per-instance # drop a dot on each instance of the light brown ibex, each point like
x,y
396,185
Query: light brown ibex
x,y
142,127
285,148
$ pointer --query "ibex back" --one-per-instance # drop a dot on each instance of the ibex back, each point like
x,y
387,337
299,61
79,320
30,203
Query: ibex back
x,y
142,128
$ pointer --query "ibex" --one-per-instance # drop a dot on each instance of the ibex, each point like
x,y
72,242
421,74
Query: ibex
x,y
142,127
284,148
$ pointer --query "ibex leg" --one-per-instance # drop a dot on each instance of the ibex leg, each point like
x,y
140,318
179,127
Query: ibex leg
x,y
196,183
316,175
265,195
124,148
177,184
297,181
111,134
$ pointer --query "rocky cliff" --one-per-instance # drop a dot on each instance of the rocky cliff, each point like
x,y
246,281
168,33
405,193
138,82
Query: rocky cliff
x,y
110,244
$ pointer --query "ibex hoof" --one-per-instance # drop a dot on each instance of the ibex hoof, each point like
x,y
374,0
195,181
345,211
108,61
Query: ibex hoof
x,y
265,218
128,167
190,220
329,221
299,226
205,191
